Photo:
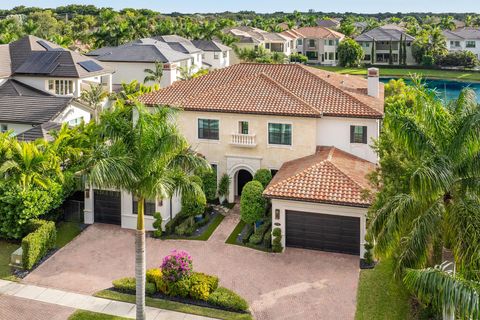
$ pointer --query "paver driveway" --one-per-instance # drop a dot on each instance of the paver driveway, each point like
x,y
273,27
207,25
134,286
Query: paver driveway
x,y
298,284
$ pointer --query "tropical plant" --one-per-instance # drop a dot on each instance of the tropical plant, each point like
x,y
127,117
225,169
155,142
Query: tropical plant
x,y
94,97
154,75
350,53
224,186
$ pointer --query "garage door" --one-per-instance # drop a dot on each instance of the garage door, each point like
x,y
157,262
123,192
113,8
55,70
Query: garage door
x,y
323,232
107,206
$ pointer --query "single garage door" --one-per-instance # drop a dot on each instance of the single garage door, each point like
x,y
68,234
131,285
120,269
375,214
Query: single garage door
x,y
323,232
107,206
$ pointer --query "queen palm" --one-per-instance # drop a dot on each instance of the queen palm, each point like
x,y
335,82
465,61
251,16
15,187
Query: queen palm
x,y
142,152
154,75
440,206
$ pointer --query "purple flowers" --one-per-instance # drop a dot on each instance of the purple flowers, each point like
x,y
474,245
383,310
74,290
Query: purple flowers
x,y
177,265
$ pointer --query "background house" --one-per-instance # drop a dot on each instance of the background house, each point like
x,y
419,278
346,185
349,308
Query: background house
x,y
377,42
215,55
465,39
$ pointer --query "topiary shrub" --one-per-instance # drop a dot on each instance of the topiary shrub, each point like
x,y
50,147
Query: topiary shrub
x,y
128,285
157,224
267,239
264,176
368,256
186,228
193,205
252,202
277,240
38,243
248,233
177,265
257,237
227,299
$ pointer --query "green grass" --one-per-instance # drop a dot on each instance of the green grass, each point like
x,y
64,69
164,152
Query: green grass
x,y
381,297
205,235
175,306
89,315
66,231
426,73
232,238
6,250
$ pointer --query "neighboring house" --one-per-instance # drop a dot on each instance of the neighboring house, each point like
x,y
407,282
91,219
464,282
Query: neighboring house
x,y
253,38
319,44
466,39
329,23
360,26
215,55
311,128
185,46
377,43
40,82
31,113
130,60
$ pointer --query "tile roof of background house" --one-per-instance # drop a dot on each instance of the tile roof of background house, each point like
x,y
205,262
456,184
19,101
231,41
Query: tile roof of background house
x,y
141,50
319,32
278,89
210,45
385,33
329,176
328,23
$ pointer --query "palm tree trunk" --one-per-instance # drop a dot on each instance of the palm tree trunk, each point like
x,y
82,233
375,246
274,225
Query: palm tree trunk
x,y
140,261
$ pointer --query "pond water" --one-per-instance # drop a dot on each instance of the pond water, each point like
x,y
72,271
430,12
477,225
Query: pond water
x,y
448,89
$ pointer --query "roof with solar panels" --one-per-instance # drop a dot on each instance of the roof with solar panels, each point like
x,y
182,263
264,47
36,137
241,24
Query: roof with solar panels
x,y
33,56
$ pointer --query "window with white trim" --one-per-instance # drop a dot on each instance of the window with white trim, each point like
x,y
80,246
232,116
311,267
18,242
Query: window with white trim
x,y
216,55
61,87
208,129
358,134
148,206
280,133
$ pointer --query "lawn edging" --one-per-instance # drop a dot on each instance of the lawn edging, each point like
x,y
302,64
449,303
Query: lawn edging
x,y
175,306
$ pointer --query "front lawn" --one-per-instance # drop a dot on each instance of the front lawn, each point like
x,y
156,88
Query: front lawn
x,y
380,296
406,72
6,250
175,306
66,232
89,315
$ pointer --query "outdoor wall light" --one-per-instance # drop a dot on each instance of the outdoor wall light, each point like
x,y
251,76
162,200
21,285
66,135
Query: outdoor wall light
x,y
87,193
277,214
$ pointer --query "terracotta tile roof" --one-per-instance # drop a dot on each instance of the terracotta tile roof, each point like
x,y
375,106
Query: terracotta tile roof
x,y
329,176
319,32
281,89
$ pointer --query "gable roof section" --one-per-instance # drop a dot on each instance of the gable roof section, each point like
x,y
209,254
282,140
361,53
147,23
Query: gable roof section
x,y
178,43
5,61
12,87
40,131
329,176
319,33
463,34
210,45
254,35
281,89
385,33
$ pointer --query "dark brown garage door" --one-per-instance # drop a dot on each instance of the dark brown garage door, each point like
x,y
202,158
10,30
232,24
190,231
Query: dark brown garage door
x,y
323,232
107,206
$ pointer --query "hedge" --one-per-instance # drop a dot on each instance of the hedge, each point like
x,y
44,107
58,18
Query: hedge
x,y
128,285
187,227
227,299
264,176
193,205
38,243
257,237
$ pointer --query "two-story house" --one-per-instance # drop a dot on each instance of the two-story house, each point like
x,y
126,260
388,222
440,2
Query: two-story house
x,y
311,128
319,44
379,42
465,39
40,85
215,55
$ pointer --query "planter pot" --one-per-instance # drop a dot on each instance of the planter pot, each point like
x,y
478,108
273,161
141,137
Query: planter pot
x,y
221,199
198,217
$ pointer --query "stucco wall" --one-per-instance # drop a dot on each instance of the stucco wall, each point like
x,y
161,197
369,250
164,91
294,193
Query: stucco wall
x,y
219,63
332,131
17,127
283,205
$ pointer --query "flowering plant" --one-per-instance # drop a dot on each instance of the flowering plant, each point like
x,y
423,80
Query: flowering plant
x,y
177,265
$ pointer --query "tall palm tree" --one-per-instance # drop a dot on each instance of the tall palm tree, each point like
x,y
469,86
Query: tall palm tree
x,y
144,153
94,97
440,205
154,75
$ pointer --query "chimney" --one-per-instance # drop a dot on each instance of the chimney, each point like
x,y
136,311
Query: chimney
x,y
169,74
373,82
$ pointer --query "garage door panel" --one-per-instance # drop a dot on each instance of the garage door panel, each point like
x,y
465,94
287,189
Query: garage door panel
x,y
323,232
107,207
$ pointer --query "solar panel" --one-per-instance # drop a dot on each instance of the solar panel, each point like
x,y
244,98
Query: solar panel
x,y
90,66
40,62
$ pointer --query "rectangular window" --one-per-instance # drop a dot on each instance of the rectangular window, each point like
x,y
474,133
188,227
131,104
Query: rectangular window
x,y
470,44
367,44
267,45
208,129
331,56
311,43
243,127
280,133
312,55
214,168
331,42
216,55
299,42
358,134
203,55
61,87
367,57
225,53
149,206
3,127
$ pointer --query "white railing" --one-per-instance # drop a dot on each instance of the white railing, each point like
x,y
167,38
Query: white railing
x,y
243,140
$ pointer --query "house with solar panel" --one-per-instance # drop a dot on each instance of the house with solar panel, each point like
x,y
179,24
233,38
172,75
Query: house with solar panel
x,y
40,86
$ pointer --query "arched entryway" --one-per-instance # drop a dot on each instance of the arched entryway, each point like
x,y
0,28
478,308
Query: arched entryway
x,y
242,177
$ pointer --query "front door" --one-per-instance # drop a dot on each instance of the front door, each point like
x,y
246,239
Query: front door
x,y
243,177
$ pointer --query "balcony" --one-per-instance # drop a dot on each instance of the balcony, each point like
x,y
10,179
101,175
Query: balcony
x,y
243,140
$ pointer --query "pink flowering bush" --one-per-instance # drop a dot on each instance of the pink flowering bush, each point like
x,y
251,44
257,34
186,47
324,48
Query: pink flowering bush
x,y
176,266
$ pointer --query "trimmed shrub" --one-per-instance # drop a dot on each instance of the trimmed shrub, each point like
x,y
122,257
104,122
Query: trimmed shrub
x,y
37,243
257,237
227,299
465,59
212,281
177,265
170,225
186,228
199,286
298,57
277,240
248,234
264,176
209,179
368,256
252,202
128,285
267,239
157,224
194,205
179,288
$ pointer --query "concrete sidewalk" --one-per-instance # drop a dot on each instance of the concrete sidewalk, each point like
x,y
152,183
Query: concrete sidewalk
x,y
86,302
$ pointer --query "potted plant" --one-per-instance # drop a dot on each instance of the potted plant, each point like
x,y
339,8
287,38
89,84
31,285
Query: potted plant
x,y
224,187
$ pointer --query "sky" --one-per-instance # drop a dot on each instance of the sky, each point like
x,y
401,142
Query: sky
x,y
200,6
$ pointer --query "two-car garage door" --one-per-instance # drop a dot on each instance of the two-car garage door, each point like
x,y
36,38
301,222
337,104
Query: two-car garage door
x,y
324,232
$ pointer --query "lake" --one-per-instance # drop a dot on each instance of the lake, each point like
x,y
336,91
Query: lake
x,y
448,89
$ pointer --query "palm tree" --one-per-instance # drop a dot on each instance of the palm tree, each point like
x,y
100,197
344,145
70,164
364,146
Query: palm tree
x,y
154,75
144,153
94,98
439,203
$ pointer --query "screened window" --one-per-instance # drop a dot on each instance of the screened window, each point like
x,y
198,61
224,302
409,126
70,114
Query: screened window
x,y
149,206
358,134
243,127
280,133
208,129
61,87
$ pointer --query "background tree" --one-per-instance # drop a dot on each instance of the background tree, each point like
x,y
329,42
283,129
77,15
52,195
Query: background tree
x,y
350,53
